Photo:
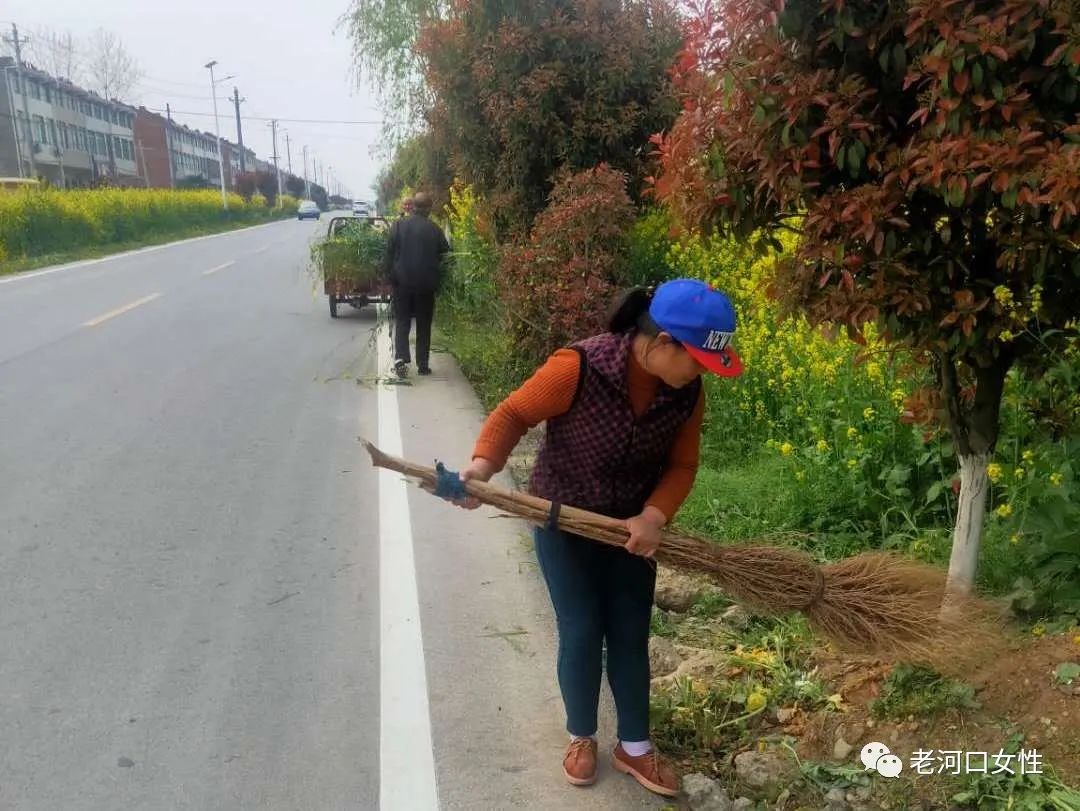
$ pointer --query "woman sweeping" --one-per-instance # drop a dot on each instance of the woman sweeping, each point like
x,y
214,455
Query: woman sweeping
x,y
624,412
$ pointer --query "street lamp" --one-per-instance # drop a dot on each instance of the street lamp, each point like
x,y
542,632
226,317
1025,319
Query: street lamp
x,y
217,130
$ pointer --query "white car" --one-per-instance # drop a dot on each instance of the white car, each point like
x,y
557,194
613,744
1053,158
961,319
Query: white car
x,y
361,209
307,209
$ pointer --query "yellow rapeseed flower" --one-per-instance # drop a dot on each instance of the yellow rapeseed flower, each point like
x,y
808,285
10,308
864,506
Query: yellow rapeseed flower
x,y
787,449
1028,456
755,701
993,471
1038,630
1004,510
1006,336
868,413
1003,295
1019,473
1056,479
1014,539
800,475
822,445
852,432
852,463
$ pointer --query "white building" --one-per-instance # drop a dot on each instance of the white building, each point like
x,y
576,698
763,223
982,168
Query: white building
x,y
77,137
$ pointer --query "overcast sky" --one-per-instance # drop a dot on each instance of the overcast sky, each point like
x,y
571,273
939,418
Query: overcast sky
x,y
287,59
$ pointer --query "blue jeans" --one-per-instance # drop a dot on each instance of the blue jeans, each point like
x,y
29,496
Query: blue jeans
x,y
601,594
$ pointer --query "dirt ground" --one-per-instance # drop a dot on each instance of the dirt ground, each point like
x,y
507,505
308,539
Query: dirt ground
x,y
1017,692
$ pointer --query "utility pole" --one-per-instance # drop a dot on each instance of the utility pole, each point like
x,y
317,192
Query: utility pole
x,y
14,120
16,42
307,186
142,152
239,130
277,171
288,153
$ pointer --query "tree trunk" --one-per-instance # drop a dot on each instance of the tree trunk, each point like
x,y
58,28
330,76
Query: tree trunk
x,y
974,427
974,486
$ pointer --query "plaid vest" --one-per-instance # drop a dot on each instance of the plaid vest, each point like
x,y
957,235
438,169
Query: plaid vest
x,y
598,455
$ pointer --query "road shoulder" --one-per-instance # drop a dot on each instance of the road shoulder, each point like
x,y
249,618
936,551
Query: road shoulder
x,y
488,633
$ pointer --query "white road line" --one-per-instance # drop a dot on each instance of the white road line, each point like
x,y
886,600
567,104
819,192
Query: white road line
x,y
406,759
101,319
19,277
212,271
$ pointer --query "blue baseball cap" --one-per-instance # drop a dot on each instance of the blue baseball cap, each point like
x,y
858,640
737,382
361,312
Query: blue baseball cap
x,y
702,320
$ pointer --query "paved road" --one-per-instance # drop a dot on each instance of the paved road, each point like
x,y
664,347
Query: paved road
x,y
191,549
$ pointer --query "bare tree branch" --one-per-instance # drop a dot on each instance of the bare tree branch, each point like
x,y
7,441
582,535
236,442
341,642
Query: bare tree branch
x,y
109,68
55,52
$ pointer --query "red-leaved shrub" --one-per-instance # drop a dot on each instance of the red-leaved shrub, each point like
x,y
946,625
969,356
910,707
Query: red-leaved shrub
x,y
558,285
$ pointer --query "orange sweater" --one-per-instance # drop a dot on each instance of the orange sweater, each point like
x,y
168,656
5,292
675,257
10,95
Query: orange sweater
x,y
550,393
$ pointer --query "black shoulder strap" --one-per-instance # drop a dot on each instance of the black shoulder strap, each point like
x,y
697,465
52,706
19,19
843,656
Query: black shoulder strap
x,y
583,370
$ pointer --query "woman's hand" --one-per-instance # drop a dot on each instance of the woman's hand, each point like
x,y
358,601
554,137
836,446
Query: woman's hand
x,y
480,470
645,532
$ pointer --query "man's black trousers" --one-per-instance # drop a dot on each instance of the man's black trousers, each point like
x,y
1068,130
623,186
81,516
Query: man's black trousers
x,y
408,305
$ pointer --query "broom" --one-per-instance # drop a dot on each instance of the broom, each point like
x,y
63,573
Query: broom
x,y
876,603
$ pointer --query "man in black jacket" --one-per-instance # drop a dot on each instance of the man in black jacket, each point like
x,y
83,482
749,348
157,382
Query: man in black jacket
x,y
414,257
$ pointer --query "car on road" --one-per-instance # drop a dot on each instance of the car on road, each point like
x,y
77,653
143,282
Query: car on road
x,y
362,209
308,209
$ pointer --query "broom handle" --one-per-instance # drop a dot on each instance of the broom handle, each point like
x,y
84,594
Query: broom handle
x,y
573,519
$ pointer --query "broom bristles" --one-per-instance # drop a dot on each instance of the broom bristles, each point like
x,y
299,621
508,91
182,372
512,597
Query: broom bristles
x,y
876,604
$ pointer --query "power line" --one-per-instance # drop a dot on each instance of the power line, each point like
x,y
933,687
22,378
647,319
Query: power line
x,y
156,80
320,135
268,118
157,91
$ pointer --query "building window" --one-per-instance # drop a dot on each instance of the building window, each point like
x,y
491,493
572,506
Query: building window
x,y
35,90
39,129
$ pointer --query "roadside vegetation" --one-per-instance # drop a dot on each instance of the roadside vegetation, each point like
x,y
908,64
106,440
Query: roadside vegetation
x,y
44,226
905,276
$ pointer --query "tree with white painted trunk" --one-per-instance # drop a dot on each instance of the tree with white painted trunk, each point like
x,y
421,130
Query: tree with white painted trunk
x,y
928,154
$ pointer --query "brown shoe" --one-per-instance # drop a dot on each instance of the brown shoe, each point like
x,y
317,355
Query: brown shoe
x,y
651,770
579,765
